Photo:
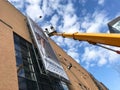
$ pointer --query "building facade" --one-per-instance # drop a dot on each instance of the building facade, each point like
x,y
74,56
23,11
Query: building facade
x,y
22,65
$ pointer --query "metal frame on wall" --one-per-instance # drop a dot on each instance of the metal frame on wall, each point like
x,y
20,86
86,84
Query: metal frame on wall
x,y
50,61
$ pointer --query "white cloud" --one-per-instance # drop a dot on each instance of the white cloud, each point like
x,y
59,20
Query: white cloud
x,y
102,62
54,4
13,0
89,54
99,56
47,7
86,24
82,2
34,11
59,40
72,46
74,28
71,43
32,7
33,1
54,20
101,2
94,23
113,57
74,55
17,3
69,20
69,8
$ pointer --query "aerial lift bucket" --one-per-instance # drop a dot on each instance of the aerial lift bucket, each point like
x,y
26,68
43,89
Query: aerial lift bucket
x,y
50,31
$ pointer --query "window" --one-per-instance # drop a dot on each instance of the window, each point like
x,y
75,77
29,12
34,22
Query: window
x,y
57,84
83,87
64,85
65,59
25,69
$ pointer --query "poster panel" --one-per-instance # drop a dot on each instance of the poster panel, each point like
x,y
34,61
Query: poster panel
x,y
49,58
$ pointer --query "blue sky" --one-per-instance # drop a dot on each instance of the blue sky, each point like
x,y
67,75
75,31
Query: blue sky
x,y
82,16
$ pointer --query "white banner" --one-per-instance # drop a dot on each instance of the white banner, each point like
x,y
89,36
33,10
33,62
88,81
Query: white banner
x,y
49,58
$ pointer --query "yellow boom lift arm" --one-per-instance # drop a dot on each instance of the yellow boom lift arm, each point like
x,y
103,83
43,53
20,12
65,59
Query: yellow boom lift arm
x,y
93,38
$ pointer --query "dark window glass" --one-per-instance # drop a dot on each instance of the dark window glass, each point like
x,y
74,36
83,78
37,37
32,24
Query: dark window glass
x,y
46,87
25,69
64,86
18,61
22,83
26,84
21,72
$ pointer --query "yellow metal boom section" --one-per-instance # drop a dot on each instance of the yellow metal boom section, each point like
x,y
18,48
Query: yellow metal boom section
x,y
103,38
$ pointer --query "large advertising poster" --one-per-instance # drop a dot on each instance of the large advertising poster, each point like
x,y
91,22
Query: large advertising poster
x,y
49,58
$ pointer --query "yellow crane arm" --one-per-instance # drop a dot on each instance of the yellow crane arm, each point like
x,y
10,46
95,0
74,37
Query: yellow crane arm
x,y
103,38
